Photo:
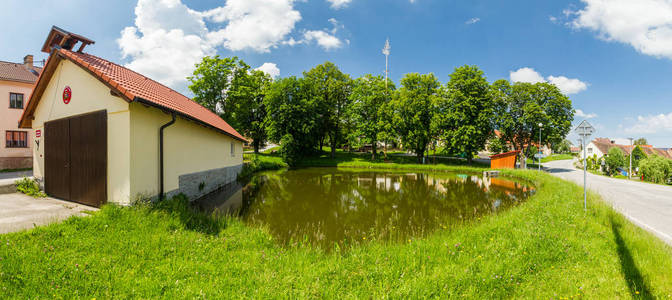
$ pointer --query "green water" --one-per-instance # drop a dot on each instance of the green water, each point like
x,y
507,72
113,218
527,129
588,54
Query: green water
x,y
328,206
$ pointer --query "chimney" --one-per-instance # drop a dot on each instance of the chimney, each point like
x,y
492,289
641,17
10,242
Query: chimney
x,y
28,61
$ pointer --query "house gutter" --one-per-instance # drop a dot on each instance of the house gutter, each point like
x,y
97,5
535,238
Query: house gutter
x,y
164,126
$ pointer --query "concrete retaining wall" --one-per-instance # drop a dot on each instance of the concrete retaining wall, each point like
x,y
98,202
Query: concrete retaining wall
x,y
199,184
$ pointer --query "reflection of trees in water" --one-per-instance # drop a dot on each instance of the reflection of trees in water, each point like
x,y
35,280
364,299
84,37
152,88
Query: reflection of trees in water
x,y
325,205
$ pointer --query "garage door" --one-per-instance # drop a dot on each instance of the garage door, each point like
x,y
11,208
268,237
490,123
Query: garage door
x,y
75,158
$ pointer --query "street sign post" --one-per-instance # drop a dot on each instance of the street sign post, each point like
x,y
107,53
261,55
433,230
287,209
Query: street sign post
x,y
584,130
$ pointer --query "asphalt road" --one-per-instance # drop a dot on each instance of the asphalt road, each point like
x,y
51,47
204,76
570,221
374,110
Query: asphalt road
x,y
645,204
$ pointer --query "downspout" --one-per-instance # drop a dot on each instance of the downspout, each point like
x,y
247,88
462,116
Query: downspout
x,y
161,195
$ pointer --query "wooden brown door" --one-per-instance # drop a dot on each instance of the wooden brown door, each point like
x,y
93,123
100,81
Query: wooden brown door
x,y
86,171
57,158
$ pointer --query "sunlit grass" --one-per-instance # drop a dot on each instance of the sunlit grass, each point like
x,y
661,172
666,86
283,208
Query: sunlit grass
x,y
545,248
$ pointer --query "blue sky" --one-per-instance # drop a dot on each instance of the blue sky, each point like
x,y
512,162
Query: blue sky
x,y
613,59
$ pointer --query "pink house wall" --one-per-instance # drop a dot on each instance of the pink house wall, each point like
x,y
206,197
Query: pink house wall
x,y
14,158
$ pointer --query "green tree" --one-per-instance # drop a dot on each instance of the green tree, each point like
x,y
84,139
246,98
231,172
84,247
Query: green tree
x,y
246,94
414,107
641,141
367,100
291,119
521,107
563,147
656,169
331,89
637,155
615,159
496,145
465,117
211,80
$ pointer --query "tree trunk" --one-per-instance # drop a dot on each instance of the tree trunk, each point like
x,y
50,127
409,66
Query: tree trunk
x,y
333,145
373,150
321,143
256,143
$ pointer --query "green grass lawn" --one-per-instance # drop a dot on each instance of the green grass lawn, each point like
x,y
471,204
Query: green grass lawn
x,y
551,157
545,248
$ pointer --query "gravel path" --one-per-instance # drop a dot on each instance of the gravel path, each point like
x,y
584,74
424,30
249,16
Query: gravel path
x,y
645,204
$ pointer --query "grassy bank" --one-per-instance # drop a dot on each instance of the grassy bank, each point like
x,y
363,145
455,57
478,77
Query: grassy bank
x,y
552,157
545,248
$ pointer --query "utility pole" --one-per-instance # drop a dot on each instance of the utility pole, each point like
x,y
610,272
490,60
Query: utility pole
x,y
632,149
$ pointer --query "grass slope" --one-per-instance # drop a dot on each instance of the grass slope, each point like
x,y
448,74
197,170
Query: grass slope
x,y
546,248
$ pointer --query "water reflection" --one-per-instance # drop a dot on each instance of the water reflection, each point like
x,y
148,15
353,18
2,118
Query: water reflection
x,y
323,206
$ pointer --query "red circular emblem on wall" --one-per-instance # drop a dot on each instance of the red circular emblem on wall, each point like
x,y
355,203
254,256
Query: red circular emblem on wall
x,y
67,94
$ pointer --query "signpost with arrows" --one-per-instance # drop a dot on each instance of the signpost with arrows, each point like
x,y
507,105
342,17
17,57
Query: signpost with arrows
x,y
584,130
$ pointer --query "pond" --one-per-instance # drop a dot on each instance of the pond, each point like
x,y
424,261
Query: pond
x,y
329,206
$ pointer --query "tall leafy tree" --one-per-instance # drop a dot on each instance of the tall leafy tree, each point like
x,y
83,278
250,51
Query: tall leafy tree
x,y
211,80
466,115
368,97
290,117
331,89
521,107
414,107
246,96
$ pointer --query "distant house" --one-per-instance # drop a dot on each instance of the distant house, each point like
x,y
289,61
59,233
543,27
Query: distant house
x,y
16,84
545,149
601,146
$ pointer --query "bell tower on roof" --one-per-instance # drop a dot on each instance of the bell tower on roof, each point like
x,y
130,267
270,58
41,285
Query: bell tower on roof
x,y
64,39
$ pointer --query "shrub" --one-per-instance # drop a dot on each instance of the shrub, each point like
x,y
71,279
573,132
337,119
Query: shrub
x,y
615,159
290,150
29,187
656,169
531,151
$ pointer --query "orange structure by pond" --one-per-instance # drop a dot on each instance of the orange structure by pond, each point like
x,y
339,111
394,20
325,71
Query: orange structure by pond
x,y
504,161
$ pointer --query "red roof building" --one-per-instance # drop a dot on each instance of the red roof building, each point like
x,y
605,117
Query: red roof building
x,y
105,133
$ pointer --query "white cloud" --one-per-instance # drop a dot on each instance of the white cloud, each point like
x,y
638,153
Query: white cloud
x,y
652,124
253,24
526,75
166,42
323,38
566,85
579,113
338,4
645,25
472,21
168,38
270,68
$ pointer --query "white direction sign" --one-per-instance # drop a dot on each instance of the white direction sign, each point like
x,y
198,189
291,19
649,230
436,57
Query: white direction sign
x,y
585,129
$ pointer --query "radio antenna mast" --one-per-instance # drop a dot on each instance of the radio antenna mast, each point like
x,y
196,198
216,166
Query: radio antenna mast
x,y
386,52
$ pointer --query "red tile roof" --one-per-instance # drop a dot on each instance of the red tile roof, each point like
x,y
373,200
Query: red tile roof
x,y
604,144
18,72
135,87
